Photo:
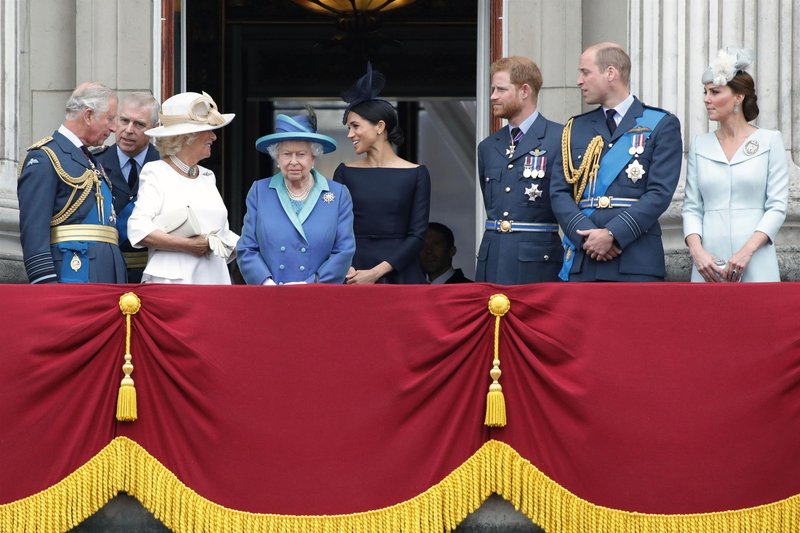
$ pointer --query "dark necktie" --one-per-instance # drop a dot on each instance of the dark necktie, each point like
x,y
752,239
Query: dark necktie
x,y
610,122
515,136
133,175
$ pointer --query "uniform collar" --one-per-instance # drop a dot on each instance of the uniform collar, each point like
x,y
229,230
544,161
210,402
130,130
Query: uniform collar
x,y
526,124
69,134
621,108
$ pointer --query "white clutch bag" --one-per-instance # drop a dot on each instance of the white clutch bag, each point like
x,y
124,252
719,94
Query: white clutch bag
x,y
180,222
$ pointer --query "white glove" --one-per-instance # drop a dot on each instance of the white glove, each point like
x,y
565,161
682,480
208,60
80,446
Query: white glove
x,y
269,281
222,245
295,283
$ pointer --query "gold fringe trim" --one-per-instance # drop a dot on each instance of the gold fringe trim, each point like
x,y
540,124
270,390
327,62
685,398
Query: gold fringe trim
x,y
125,466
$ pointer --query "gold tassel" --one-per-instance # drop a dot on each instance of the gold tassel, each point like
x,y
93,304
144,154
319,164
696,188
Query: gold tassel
x,y
129,304
499,305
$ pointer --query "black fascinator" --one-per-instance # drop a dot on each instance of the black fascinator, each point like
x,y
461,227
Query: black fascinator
x,y
368,87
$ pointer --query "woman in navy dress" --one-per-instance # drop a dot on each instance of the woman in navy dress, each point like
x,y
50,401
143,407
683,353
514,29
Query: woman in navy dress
x,y
391,196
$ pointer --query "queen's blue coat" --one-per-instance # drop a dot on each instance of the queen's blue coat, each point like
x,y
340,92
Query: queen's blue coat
x,y
314,246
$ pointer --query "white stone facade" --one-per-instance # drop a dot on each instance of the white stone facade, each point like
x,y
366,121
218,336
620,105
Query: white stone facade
x,y
48,46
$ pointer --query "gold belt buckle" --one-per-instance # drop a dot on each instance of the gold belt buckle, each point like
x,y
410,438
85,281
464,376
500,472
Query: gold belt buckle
x,y
604,202
505,226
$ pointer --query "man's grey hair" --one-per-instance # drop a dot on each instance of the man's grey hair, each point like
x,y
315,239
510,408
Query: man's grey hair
x,y
89,95
143,99
273,149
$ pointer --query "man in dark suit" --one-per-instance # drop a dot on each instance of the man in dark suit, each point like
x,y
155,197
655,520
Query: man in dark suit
x,y
436,257
625,160
123,162
66,217
520,243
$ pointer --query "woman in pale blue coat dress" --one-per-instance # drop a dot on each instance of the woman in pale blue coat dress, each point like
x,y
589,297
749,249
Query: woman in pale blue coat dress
x,y
737,182
298,227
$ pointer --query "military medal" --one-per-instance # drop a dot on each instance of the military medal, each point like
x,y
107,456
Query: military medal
x,y
533,192
513,144
528,171
328,197
635,171
540,164
637,144
751,147
75,264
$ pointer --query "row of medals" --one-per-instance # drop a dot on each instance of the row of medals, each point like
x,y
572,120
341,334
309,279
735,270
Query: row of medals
x,y
533,167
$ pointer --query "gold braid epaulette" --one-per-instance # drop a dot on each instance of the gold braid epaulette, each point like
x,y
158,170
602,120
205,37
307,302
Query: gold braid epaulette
x,y
590,164
83,182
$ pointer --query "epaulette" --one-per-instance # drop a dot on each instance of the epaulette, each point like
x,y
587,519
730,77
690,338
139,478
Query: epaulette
x,y
586,113
657,108
40,143
98,151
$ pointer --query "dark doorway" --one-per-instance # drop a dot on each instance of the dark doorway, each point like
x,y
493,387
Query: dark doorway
x,y
250,54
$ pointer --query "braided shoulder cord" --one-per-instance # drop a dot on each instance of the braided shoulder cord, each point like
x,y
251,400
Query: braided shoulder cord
x,y
590,165
83,182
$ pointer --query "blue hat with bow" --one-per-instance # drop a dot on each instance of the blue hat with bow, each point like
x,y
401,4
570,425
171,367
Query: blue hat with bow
x,y
297,128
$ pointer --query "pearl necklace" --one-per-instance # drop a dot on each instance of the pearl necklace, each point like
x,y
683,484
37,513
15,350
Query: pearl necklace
x,y
183,167
299,197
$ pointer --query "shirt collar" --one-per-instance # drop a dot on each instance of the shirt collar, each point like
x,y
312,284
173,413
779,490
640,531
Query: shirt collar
x,y
139,158
69,134
621,108
526,124
442,279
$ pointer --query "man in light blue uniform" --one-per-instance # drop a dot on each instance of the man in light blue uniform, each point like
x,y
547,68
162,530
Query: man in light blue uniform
x,y
123,162
66,216
520,243
621,165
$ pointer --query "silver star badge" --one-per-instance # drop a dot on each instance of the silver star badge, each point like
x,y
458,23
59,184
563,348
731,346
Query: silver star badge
x,y
635,171
533,192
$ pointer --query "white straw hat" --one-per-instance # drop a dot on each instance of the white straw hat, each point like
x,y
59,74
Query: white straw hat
x,y
189,113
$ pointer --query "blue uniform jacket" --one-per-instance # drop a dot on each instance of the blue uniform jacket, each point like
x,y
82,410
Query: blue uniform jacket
x,y
636,228
124,195
517,257
314,246
41,195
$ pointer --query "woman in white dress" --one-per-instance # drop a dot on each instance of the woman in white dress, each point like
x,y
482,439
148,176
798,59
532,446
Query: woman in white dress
x,y
179,214
737,181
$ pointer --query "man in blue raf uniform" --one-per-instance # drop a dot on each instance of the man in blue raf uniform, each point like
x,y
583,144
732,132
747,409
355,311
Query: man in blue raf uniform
x,y
520,243
66,216
123,162
621,164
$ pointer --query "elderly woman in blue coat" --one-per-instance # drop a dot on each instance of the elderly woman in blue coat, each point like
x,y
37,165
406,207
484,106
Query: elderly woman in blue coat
x,y
298,227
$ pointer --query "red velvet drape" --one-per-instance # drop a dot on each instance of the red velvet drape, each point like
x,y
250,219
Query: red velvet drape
x,y
661,398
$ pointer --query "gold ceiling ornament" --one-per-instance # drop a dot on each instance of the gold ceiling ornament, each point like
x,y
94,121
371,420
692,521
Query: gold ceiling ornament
x,y
342,8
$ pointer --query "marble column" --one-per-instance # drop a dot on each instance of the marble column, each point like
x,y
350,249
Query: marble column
x,y
671,44
10,252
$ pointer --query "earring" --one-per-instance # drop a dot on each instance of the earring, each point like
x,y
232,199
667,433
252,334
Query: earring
x,y
735,108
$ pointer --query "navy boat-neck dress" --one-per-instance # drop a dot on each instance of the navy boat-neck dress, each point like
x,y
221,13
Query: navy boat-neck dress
x,y
391,208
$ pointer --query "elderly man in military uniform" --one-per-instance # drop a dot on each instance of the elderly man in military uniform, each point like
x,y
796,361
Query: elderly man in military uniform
x,y
621,164
66,215
520,243
123,161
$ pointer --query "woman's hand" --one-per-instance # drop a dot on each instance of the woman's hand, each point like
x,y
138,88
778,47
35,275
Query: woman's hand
x,y
371,275
734,269
197,245
361,276
706,264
